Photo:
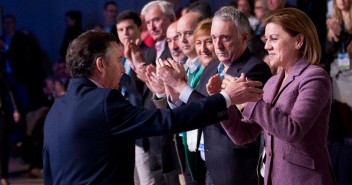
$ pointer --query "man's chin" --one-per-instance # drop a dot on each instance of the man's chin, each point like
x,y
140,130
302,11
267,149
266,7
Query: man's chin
x,y
156,37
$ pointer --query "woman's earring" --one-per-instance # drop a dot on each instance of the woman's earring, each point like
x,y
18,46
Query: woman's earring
x,y
298,46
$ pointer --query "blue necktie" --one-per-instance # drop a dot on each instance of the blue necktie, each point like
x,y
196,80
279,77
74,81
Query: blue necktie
x,y
221,70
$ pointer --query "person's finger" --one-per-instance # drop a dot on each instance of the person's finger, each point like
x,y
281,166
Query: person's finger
x,y
154,74
137,41
167,62
160,62
254,90
242,77
254,84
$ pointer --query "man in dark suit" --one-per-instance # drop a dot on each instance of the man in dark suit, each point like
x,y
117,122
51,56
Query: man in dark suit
x,y
226,162
158,15
90,132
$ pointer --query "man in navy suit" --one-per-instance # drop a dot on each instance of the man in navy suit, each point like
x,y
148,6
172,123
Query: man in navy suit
x,y
90,132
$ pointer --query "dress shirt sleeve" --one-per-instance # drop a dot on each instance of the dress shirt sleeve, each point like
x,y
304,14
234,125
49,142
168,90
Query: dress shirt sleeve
x,y
186,93
178,103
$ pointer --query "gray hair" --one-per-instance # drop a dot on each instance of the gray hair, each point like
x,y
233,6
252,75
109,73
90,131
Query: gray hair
x,y
166,7
229,13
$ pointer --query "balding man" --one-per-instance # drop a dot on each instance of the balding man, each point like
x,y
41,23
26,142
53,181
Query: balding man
x,y
172,40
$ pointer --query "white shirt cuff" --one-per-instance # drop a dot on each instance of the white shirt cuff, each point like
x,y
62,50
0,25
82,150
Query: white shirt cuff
x,y
227,98
186,93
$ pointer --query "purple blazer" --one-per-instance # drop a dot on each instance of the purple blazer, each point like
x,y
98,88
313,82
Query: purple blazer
x,y
295,125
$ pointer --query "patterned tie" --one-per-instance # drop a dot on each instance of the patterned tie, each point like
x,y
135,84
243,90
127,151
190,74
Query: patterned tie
x,y
221,70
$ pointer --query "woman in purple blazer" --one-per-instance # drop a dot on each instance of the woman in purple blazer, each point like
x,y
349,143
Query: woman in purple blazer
x,y
294,111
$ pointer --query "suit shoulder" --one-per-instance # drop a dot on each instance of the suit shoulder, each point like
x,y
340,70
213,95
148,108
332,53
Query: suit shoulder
x,y
314,71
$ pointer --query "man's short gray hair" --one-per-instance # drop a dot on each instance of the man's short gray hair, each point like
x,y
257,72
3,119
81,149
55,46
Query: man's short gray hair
x,y
229,13
166,7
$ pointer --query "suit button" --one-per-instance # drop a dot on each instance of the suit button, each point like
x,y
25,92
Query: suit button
x,y
269,134
269,153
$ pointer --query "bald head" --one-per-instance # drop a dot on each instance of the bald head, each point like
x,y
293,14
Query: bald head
x,y
173,42
185,28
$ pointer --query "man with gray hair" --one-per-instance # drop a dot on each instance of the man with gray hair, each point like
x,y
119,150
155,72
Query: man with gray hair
x,y
158,15
227,163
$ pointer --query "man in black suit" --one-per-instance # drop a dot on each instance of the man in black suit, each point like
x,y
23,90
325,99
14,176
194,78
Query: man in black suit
x,y
90,131
226,162
158,15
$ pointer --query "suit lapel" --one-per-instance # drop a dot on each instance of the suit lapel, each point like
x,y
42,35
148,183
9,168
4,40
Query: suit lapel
x,y
236,67
166,53
296,70
273,86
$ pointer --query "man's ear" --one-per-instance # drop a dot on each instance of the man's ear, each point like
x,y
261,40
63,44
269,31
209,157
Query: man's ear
x,y
99,64
245,37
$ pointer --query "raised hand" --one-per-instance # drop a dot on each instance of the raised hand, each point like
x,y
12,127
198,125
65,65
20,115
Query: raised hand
x,y
172,74
334,27
155,84
133,53
172,93
241,89
214,85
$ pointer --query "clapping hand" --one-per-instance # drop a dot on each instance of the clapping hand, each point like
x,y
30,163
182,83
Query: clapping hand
x,y
154,83
134,54
242,89
334,27
172,73
214,85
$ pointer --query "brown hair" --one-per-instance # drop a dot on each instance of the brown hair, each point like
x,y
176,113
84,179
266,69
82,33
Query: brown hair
x,y
295,22
85,49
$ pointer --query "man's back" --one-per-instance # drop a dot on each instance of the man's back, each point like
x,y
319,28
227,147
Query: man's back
x,y
74,126
89,133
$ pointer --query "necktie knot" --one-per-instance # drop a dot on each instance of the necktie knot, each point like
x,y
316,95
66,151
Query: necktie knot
x,y
221,70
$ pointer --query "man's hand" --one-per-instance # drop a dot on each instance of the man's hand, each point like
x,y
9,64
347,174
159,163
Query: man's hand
x,y
134,54
170,91
172,73
155,84
214,85
241,89
141,71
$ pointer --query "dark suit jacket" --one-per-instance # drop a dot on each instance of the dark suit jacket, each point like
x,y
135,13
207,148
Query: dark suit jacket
x,y
89,133
295,123
161,145
227,162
